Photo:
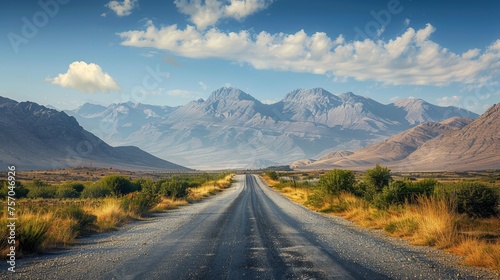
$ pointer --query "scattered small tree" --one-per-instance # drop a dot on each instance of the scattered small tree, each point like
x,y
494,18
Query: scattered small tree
x,y
273,175
66,192
118,185
337,180
378,177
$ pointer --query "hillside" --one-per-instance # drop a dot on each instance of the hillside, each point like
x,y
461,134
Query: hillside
x,y
452,145
40,138
474,147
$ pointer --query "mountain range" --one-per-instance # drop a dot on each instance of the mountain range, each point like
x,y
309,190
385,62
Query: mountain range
x,y
453,144
36,137
232,129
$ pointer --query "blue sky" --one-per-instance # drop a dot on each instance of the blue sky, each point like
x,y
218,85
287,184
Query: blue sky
x,y
68,52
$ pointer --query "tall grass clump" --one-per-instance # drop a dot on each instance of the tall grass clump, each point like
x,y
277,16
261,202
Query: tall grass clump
x,y
140,203
437,222
109,214
32,231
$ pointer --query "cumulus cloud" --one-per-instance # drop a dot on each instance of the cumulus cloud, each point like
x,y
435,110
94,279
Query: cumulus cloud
x,y
203,85
409,59
449,100
205,13
122,8
85,77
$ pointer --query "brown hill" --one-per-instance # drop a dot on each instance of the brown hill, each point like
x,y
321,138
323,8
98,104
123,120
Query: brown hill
x,y
36,137
474,147
393,149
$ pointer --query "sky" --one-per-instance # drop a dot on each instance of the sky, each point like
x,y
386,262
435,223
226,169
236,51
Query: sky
x,y
64,53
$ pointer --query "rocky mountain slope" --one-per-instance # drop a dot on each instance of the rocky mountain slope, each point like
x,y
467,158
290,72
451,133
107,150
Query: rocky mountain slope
x,y
474,147
451,145
231,129
35,137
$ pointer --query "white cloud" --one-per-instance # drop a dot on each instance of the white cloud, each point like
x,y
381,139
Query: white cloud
x,y
407,21
449,100
409,59
205,13
184,94
85,77
149,54
395,98
122,8
203,85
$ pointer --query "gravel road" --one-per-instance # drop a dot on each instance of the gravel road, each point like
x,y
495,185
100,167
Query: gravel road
x,y
248,231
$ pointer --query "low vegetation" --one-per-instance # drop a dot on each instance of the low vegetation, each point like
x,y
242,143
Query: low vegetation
x,y
459,216
54,215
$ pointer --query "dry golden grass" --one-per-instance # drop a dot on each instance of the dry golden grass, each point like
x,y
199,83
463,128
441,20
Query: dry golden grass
x,y
61,231
169,203
210,188
270,182
298,195
109,213
478,252
437,223
431,222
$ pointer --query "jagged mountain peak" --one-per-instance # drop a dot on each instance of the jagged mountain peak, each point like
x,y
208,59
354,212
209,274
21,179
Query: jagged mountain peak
x,y
230,93
409,102
349,97
309,94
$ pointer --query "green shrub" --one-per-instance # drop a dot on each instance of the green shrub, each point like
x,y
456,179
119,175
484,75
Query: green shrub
x,y
42,192
474,199
361,189
337,181
118,185
273,175
316,199
66,192
139,203
20,190
75,185
378,177
400,192
425,187
174,188
96,191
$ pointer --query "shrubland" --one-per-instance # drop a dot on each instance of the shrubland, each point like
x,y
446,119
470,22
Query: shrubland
x,y
460,216
55,215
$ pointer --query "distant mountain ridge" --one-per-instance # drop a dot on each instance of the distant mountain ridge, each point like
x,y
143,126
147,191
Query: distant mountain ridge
x,y
242,132
37,137
451,145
